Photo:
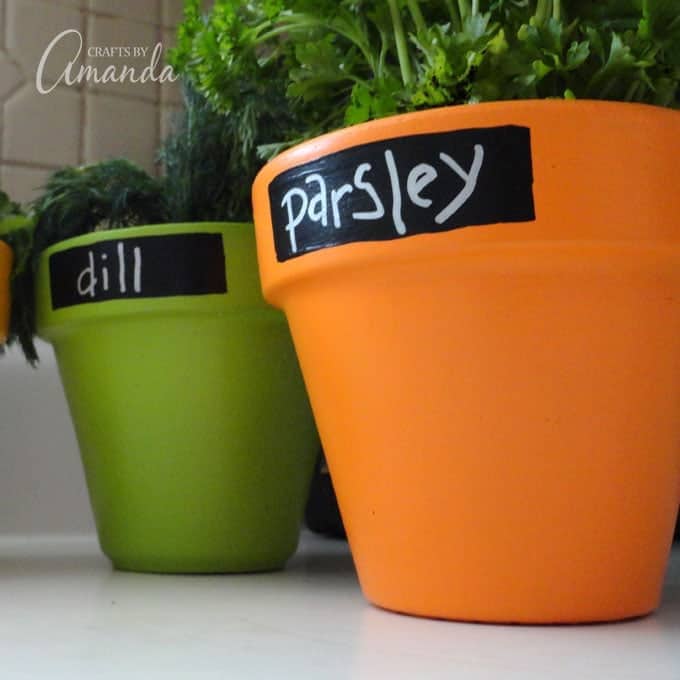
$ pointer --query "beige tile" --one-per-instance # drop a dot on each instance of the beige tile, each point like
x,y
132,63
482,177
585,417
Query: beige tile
x,y
172,12
141,10
80,4
22,184
32,25
10,75
43,129
120,127
169,36
105,32
2,24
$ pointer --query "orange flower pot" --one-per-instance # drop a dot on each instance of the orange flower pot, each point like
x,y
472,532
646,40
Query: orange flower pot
x,y
485,301
5,269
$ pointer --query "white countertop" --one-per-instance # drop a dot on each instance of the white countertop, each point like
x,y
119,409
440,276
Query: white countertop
x,y
65,614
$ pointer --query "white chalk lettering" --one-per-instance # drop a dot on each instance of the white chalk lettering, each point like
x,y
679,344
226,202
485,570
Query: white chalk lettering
x,y
336,196
87,281
137,252
379,210
105,273
470,179
422,175
318,206
396,193
293,221
121,267
101,272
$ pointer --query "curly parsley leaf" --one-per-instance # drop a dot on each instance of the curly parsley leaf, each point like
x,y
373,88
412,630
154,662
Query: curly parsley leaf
x,y
286,70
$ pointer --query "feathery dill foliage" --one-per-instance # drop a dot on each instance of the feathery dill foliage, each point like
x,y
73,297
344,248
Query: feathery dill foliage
x,y
286,70
76,201
8,208
207,177
21,313
106,195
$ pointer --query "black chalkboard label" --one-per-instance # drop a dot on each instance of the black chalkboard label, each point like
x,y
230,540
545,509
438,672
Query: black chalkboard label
x,y
140,267
404,186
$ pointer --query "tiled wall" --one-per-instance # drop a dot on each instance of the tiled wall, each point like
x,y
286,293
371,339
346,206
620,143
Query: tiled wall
x,y
84,122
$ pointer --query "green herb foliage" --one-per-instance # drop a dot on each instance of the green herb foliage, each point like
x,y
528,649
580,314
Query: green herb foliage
x,y
21,242
207,176
229,60
8,208
105,195
76,201
285,70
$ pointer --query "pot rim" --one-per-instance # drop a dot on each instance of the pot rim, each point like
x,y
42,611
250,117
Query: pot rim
x,y
316,147
575,157
558,257
243,295
135,232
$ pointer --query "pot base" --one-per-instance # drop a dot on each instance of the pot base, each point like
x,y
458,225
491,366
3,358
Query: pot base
x,y
503,620
189,562
201,470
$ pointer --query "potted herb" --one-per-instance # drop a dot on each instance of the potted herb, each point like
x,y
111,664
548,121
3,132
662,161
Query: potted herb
x,y
484,298
196,436
15,246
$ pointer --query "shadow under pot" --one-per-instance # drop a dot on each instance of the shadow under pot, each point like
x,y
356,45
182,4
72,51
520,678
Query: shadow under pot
x,y
485,301
192,419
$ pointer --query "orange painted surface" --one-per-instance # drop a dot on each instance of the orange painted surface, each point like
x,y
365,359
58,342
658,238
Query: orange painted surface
x,y
500,406
5,268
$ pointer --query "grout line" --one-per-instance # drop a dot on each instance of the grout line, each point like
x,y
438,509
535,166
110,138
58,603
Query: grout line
x,y
30,165
113,15
61,87
4,16
9,96
115,94
4,11
84,90
120,95
84,123
88,7
83,93
3,23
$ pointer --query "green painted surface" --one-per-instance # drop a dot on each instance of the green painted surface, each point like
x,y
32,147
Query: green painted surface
x,y
195,431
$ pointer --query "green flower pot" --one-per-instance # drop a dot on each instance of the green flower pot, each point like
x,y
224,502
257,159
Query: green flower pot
x,y
194,427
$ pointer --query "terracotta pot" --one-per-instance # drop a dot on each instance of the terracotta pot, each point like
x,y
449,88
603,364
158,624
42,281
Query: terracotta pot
x,y
5,269
485,301
193,422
